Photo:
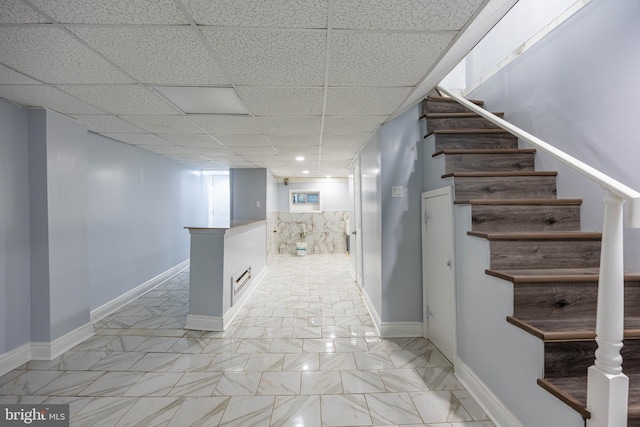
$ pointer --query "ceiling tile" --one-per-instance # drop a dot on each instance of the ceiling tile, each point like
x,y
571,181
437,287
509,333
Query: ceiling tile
x,y
107,123
432,15
295,140
333,124
290,125
156,12
164,124
10,77
47,97
192,140
52,55
270,57
345,140
244,140
364,101
121,99
226,124
282,101
258,13
383,59
267,151
165,149
138,138
16,12
162,56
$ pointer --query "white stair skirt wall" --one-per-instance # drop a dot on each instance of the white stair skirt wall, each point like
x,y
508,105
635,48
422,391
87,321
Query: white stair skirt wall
x,y
124,299
53,349
204,323
375,317
489,402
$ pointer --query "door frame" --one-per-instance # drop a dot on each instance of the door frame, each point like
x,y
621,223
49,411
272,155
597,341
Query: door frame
x,y
357,221
443,191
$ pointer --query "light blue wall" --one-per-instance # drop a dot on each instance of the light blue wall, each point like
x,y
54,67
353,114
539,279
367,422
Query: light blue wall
x,y
371,195
83,220
67,195
15,293
577,89
334,193
248,186
401,232
138,206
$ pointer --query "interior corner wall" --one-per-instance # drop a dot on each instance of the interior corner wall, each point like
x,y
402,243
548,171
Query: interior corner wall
x,y
15,277
370,183
272,218
248,193
401,152
576,89
138,205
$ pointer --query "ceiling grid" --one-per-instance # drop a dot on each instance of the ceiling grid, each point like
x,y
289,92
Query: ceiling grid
x,y
317,77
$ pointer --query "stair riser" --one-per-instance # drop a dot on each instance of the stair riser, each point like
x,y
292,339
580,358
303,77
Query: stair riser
x,y
488,218
508,187
459,123
433,106
489,162
570,359
566,300
514,254
475,141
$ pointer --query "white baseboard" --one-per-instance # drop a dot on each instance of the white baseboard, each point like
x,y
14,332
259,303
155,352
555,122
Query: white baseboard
x,y
400,329
14,358
371,309
237,306
124,299
53,349
489,402
204,323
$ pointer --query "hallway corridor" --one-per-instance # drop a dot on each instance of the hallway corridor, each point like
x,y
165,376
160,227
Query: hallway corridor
x,y
302,352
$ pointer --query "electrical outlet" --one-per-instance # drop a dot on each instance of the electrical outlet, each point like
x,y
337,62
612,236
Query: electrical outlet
x,y
397,191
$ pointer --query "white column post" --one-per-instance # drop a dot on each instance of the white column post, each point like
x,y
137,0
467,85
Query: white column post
x,y
607,386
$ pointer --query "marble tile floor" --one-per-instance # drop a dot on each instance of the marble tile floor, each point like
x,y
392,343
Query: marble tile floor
x,y
302,352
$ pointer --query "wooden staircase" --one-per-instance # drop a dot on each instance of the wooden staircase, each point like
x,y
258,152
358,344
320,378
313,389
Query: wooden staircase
x,y
535,243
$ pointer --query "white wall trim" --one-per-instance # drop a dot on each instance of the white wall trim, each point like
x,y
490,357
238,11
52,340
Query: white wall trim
x,y
574,8
237,306
371,309
124,299
400,329
204,323
53,349
489,402
14,358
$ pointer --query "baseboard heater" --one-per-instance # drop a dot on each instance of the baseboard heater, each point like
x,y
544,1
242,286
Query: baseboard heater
x,y
239,280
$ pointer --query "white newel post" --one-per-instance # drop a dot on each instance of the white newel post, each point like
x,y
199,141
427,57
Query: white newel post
x,y
607,386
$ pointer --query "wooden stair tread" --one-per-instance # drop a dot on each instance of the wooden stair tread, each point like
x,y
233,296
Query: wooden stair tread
x,y
456,114
538,235
487,151
525,202
573,392
465,131
498,174
575,329
447,99
554,275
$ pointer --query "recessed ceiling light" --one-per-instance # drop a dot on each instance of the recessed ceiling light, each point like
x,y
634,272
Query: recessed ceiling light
x,y
203,100
328,176
300,158
305,172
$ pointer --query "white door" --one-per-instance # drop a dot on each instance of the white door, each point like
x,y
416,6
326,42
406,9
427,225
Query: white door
x,y
438,273
220,201
357,210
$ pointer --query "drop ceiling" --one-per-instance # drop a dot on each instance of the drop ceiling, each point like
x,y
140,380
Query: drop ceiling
x,y
317,77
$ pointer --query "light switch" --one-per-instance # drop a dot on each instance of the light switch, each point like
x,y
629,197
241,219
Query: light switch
x,y
397,191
